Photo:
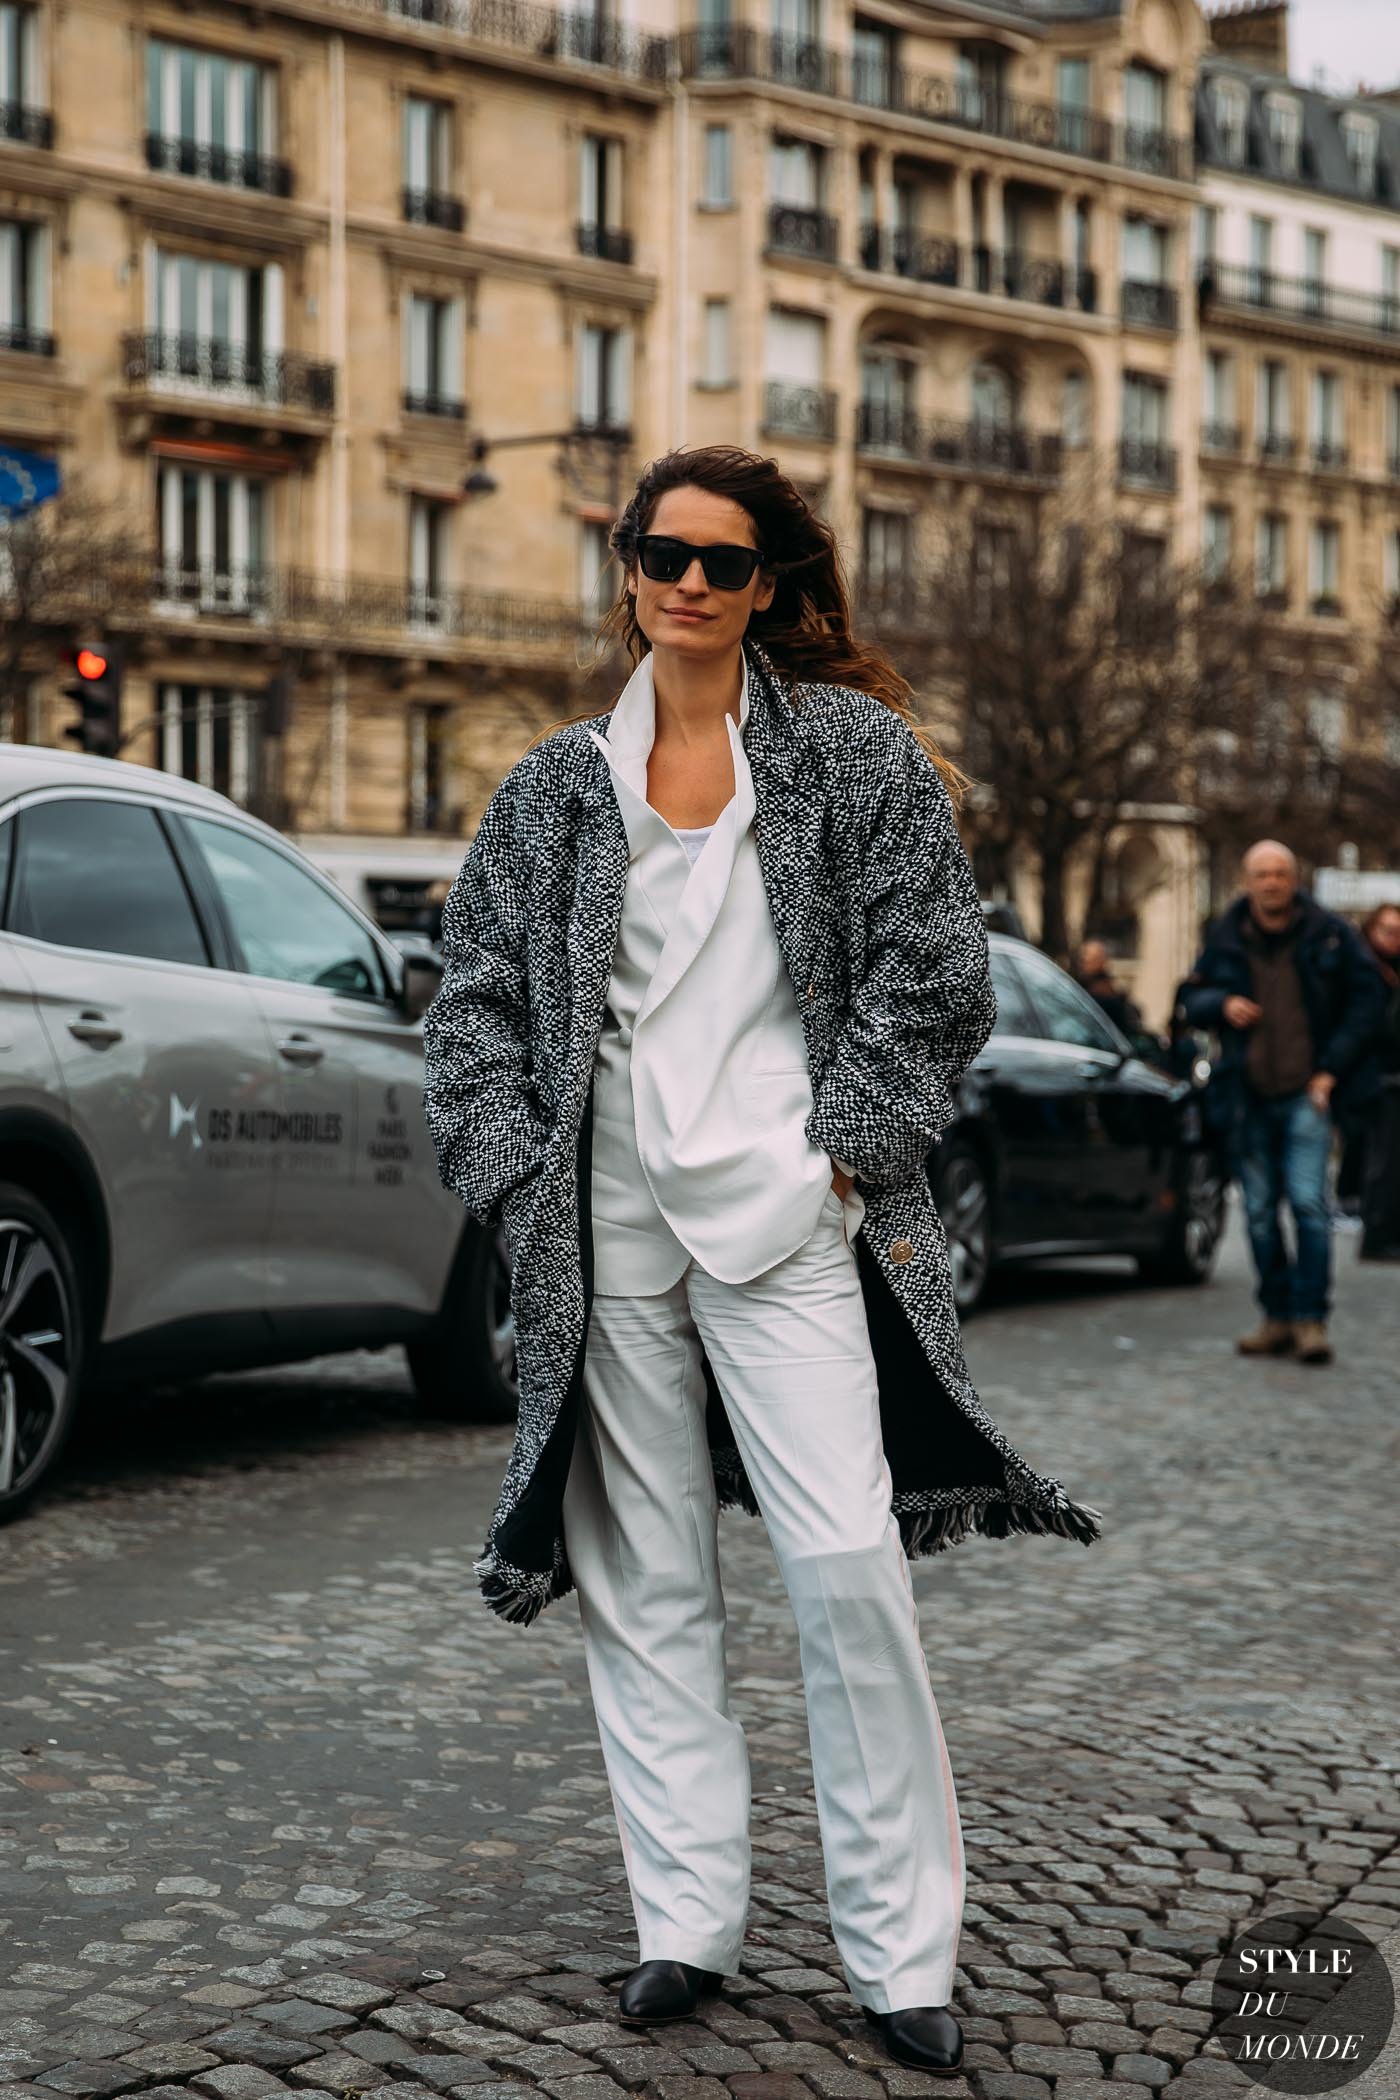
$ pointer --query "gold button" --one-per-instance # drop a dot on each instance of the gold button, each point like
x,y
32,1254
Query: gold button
x,y
901,1250
811,988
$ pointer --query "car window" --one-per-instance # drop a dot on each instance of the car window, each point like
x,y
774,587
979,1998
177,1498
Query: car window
x,y
287,926
1015,1013
1069,1014
7,840
95,874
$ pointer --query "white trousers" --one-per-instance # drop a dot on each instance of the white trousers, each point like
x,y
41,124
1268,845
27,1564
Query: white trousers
x,y
791,1353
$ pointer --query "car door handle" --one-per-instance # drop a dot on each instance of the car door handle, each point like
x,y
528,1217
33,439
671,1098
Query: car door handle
x,y
300,1050
94,1029
1089,1070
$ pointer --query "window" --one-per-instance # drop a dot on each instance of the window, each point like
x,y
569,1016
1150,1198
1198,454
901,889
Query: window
x,y
1327,725
1074,409
24,287
994,403
427,765
1144,409
603,377
795,347
1144,114
1206,234
1230,109
1315,256
718,358
1075,121
211,530
1326,418
429,522
1144,251
719,167
1324,563
1219,389
981,83
286,924
210,116
600,196
1271,555
427,160
1142,568
1217,541
208,733
596,576
19,68
886,395
884,554
217,324
1271,407
795,174
1359,139
993,566
1015,1013
873,57
96,874
1390,565
1285,122
1261,259
1392,429
1068,1014
433,355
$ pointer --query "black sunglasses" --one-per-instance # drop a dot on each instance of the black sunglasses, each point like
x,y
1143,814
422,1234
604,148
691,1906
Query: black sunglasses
x,y
665,560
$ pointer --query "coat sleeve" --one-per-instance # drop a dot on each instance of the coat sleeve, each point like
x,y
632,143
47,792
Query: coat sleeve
x,y
1200,996
476,1032
1362,1018
926,1004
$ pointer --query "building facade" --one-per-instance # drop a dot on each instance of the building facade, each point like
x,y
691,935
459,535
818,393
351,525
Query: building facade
x,y
363,314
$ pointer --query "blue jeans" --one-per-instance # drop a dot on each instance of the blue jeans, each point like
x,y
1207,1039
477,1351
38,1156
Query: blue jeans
x,y
1282,1148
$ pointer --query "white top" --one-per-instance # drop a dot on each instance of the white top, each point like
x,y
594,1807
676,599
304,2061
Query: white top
x,y
693,839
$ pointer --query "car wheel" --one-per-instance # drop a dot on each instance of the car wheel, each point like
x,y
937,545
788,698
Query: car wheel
x,y
41,1345
466,1372
964,1198
1187,1254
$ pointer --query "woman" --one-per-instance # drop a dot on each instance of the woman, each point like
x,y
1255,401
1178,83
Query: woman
x,y
715,964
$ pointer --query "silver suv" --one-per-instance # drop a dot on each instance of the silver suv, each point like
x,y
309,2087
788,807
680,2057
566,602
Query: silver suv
x,y
212,1145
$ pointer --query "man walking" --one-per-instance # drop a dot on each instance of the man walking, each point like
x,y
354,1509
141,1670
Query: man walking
x,y
1298,1004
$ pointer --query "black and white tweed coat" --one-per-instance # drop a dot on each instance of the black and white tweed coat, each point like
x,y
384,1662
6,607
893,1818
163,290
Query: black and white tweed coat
x,y
878,922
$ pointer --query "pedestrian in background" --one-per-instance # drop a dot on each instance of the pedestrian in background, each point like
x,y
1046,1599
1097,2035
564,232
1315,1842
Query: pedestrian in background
x,y
716,964
1362,1126
1297,1000
1380,1170
1098,981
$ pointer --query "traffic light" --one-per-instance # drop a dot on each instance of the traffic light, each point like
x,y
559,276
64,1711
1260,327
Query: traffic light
x,y
97,689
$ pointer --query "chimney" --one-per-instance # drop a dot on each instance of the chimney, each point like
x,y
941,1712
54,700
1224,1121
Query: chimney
x,y
1254,31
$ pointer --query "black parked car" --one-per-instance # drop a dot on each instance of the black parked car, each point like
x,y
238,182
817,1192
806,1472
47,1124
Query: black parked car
x,y
1070,1142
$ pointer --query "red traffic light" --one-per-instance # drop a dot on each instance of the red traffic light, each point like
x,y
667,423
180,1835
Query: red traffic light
x,y
91,664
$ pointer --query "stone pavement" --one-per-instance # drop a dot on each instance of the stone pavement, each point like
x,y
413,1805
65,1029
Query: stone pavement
x,y
285,1811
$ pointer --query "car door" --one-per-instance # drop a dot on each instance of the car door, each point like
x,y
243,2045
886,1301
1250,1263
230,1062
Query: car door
x,y
361,1223
1121,1108
1040,1115
160,1054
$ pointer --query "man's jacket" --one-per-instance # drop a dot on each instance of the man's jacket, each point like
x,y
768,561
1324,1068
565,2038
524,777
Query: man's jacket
x,y
1343,992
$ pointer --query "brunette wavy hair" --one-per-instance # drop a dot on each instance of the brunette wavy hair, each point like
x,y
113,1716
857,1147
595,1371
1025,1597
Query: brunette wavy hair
x,y
806,631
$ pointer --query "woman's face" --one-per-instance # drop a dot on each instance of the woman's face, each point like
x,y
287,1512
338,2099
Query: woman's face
x,y
688,616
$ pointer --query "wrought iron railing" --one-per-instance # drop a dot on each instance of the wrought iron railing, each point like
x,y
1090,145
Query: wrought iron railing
x,y
794,229
1222,438
434,208
172,155
737,51
25,124
579,38
426,401
34,342
1276,448
1144,303
981,446
799,411
214,365
1299,298
1329,455
1146,462
607,243
935,258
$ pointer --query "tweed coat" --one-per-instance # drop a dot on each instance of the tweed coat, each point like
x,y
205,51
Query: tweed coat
x,y
878,921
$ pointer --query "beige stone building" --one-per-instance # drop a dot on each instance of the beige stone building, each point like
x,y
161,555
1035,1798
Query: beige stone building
x,y
274,276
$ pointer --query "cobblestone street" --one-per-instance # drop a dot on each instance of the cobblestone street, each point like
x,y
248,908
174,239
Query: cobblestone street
x,y
283,1808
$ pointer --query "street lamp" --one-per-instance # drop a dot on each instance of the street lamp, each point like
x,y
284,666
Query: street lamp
x,y
480,481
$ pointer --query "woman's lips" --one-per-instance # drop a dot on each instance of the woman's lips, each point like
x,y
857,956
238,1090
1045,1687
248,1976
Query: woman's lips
x,y
677,612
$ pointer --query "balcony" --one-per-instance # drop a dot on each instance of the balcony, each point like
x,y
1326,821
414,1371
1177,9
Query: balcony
x,y
1221,439
1144,463
980,447
735,51
28,342
606,243
23,125
794,229
1146,304
1329,455
934,258
426,401
1326,605
537,31
799,411
1276,449
203,162
434,208
234,372
1300,301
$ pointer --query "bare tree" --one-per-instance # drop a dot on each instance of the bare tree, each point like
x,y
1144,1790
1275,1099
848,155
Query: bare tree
x,y
63,564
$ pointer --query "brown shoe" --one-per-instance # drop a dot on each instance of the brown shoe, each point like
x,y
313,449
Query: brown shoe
x,y
1270,1338
1310,1342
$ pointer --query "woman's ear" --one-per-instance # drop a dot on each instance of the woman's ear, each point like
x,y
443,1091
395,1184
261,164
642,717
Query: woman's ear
x,y
763,597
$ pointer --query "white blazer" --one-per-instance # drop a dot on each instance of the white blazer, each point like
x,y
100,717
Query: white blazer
x,y
701,1083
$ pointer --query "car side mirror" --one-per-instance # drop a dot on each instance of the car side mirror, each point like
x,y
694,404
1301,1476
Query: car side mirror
x,y
422,974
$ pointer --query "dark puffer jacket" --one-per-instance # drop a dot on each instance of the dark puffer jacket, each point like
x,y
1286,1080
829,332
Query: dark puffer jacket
x,y
1342,990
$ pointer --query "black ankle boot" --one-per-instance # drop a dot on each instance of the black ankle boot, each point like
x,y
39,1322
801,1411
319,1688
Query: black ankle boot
x,y
664,1990
924,2036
